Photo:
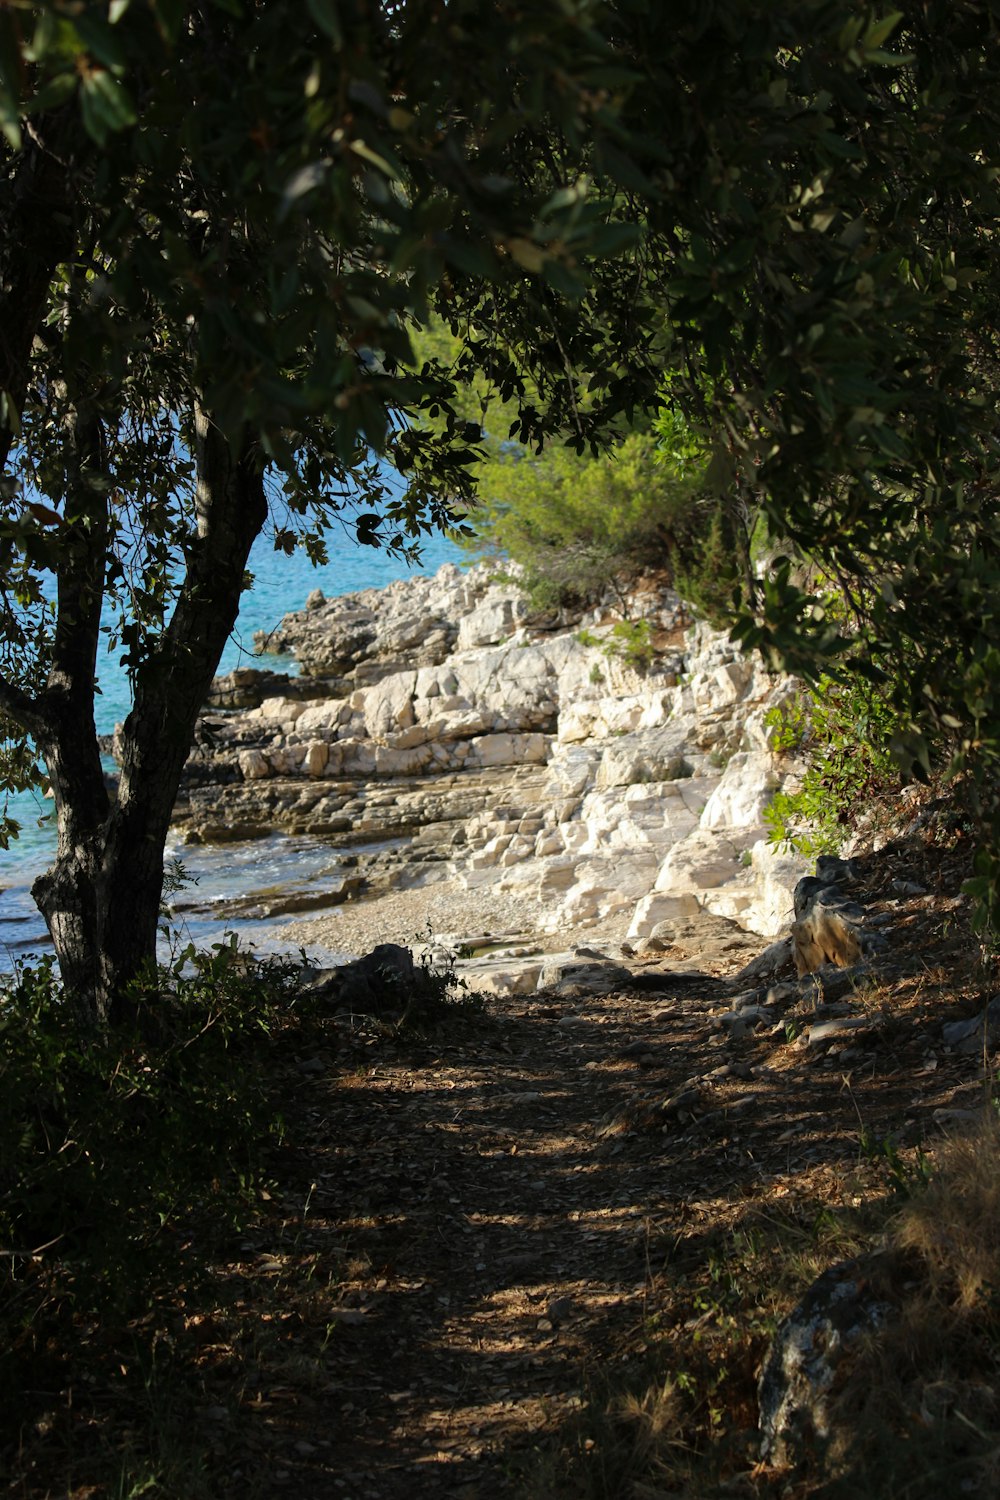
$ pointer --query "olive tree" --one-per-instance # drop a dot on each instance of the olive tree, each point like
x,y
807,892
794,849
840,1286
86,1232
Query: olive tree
x,y
218,224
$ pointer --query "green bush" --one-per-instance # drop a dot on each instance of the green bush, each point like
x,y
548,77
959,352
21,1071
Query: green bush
x,y
577,524
115,1146
845,731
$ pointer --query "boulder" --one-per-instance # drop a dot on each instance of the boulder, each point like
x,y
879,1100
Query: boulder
x,y
976,1034
443,704
810,1352
826,928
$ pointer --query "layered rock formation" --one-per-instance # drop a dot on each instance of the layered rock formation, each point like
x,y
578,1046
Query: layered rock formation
x,y
440,729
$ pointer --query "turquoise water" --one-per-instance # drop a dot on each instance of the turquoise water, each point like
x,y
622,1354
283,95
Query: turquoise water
x,y
281,584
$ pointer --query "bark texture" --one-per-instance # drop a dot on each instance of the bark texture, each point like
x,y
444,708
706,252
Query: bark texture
x,y
101,898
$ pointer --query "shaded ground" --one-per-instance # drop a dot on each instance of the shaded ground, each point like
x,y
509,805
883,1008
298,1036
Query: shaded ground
x,y
473,1230
496,1215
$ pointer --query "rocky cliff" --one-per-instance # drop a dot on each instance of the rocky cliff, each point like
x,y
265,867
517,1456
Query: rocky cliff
x,y
614,764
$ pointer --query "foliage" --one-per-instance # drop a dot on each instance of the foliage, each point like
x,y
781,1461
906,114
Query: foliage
x,y
844,730
113,1147
827,214
630,641
576,524
780,220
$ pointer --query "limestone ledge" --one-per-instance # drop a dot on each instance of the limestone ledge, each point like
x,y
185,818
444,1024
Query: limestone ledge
x,y
527,754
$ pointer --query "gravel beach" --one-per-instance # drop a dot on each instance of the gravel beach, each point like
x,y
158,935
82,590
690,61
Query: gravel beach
x,y
442,914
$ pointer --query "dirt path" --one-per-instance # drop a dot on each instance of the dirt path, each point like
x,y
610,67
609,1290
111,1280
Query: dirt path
x,y
490,1216
500,1241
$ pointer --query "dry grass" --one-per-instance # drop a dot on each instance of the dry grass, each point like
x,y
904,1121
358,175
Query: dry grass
x,y
954,1225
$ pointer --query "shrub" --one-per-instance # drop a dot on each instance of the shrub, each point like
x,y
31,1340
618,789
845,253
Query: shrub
x,y
845,729
576,524
115,1146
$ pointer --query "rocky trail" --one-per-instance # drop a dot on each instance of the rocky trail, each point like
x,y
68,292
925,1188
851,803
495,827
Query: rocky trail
x,y
479,1223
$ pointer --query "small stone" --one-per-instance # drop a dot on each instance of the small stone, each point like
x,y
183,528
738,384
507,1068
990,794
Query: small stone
x,y
946,1117
828,1031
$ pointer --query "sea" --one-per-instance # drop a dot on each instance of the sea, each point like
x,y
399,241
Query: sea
x,y
231,887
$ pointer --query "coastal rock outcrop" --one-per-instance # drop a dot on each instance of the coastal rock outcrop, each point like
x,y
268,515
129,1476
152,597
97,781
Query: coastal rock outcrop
x,y
616,763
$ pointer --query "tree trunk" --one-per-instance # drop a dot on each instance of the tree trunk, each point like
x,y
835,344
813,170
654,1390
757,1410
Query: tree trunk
x,y
101,899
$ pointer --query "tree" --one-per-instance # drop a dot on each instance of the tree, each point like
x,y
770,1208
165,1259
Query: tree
x,y
217,225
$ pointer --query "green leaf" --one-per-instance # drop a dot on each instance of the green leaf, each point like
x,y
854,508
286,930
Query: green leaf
x,y
880,31
55,92
100,41
10,417
106,106
327,18
11,66
471,257
170,15
527,254
362,149
10,122
303,181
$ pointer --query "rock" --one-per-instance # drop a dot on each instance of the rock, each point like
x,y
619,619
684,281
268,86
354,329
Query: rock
x,y
698,863
978,1033
739,1021
832,870
826,927
835,1030
747,786
809,1353
500,976
656,909
949,1118
384,979
439,712
566,972
776,959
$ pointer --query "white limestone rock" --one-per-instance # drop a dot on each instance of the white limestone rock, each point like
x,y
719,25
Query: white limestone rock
x,y
658,907
700,862
536,761
747,786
